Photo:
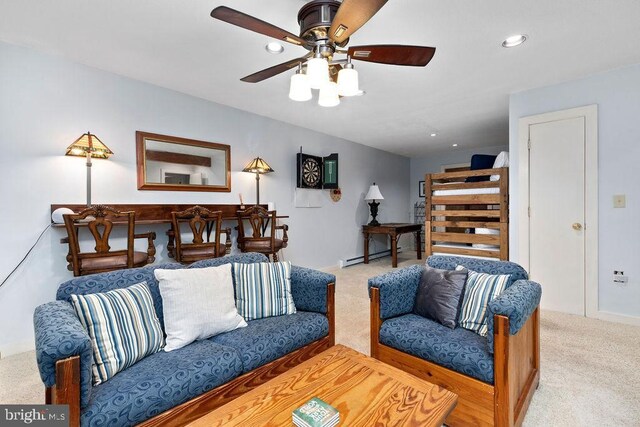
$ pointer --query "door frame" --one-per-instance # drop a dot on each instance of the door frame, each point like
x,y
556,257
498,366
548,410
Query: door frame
x,y
590,114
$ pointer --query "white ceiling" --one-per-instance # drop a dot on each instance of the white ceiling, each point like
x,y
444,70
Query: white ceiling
x,y
462,94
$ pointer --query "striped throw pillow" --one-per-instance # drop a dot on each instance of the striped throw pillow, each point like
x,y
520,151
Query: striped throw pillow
x,y
123,327
479,290
263,289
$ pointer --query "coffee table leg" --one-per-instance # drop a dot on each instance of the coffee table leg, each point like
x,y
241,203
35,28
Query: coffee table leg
x,y
419,244
366,248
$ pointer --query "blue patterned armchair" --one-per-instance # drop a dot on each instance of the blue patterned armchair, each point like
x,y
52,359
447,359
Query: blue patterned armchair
x,y
178,386
494,376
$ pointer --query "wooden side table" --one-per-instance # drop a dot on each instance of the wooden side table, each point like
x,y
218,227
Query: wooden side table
x,y
394,230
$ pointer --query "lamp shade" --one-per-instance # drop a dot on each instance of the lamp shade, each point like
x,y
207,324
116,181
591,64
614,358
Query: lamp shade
x,y
328,96
374,193
300,89
348,82
89,144
257,165
318,72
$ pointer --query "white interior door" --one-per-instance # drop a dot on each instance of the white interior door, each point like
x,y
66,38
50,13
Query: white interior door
x,y
557,212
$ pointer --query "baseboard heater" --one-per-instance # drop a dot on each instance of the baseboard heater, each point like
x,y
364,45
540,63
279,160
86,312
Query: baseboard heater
x,y
357,260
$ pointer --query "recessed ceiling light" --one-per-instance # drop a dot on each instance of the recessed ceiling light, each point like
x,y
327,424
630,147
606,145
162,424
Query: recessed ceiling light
x,y
454,145
434,134
274,47
514,41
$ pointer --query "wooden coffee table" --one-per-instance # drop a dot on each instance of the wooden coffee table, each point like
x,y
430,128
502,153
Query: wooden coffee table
x,y
365,391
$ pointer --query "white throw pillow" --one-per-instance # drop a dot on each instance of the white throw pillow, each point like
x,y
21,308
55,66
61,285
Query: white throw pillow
x,y
198,303
502,161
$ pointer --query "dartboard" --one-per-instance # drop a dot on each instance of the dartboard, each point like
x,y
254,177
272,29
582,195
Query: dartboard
x,y
311,172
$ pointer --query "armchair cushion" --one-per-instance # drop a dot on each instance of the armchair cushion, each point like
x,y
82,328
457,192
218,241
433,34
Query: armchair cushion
x,y
398,290
480,265
457,349
517,303
123,327
309,288
267,339
159,382
59,335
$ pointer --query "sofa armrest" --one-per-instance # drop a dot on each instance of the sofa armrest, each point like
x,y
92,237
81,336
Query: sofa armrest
x,y
60,335
309,288
517,303
398,290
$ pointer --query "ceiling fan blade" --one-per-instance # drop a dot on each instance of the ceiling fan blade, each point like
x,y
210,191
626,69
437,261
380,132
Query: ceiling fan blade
x,y
248,22
352,15
394,54
273,71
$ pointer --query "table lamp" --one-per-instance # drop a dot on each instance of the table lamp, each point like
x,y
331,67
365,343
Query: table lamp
x,y
89,146
373,195
258,166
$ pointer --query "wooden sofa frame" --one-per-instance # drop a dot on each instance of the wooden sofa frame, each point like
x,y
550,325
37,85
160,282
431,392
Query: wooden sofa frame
x,y
469,211
66,390
516,373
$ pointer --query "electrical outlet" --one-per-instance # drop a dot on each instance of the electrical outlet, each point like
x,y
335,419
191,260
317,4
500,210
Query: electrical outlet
x,y
619,278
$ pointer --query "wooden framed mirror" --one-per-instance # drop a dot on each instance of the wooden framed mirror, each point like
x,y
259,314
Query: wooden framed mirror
x,y
171,163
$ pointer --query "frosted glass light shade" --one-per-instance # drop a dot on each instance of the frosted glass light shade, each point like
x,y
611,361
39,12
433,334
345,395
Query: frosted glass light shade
x,y
374,193
57,215
299,90
328,96
348,82
318,72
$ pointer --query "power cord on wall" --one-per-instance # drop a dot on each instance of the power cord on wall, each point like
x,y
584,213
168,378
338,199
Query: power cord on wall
x,y
26,256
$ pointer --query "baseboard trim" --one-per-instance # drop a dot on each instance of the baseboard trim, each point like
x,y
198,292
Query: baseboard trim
x,y
618,318
360,259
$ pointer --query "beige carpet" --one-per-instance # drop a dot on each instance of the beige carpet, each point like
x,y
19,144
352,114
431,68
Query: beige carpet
x,y
590,369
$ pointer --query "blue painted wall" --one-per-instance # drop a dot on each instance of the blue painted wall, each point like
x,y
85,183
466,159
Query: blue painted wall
x,y
617,94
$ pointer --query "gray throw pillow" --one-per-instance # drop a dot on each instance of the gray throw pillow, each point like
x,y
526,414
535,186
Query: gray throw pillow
x,y
439,295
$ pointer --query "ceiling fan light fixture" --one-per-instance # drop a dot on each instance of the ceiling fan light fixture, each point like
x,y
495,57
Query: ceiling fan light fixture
x,y
318,72
514,41
328,96
299,90
348,81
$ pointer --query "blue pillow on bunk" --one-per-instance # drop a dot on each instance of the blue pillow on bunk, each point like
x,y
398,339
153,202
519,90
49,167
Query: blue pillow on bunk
x,y
481,161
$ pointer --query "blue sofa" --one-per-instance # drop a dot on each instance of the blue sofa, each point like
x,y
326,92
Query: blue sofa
x,y
494,376
172,388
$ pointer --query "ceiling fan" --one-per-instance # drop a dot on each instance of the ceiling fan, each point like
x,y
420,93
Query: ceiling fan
x,y
325,28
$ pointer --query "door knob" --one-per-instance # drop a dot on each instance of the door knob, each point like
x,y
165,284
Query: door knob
x,y
577,226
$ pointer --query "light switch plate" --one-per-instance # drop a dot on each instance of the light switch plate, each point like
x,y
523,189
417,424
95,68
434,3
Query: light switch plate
x,y
619,201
